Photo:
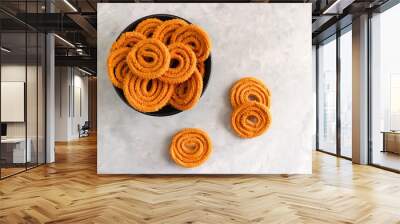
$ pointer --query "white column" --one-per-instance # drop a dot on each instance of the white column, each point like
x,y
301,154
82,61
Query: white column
x,y
50,110
50,92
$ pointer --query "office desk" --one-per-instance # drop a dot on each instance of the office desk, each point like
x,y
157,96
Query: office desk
x,y
391,141
15,148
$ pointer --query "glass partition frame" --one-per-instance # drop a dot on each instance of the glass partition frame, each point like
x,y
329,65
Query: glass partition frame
x,y
337,150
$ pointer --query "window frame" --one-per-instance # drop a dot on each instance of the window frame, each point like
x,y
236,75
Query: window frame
x,y
334,37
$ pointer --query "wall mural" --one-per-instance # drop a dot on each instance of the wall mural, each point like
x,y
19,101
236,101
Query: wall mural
x,y
158,62
163,109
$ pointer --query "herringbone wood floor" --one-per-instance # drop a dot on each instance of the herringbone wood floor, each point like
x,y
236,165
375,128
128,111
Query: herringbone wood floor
x,y
69,191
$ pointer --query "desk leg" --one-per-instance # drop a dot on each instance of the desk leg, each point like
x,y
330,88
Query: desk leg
x,y
384,142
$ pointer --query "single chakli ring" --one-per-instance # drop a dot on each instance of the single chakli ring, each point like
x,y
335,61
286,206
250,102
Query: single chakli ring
x,y
250,89
149,59
187,94
146,95
117,66
148,26
182,64
127,39
190,147
167,28
195,37
251,119
201,68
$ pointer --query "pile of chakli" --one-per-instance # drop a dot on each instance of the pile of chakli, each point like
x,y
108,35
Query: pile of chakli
x,y
160,63
251,102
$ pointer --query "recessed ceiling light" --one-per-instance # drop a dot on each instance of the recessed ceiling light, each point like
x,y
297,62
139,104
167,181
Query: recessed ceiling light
x,y
64,40
5,50
70,5
337,7
84,71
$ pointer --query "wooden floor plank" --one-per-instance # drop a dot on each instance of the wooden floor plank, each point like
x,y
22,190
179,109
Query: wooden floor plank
x,y
70,191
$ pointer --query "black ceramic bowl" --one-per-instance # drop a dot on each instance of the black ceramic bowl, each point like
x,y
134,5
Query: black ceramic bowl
x,y
166,110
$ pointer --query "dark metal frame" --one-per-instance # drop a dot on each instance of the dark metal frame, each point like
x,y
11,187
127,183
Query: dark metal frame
x,y
44,79
338,97
317,97
0,85
369,90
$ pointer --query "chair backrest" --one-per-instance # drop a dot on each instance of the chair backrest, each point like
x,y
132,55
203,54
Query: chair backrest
x,y
86,124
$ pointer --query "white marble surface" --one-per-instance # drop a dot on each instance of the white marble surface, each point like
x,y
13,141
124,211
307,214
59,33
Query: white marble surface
x,y
269,41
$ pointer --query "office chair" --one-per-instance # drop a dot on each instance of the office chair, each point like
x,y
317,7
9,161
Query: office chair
x,y
84,130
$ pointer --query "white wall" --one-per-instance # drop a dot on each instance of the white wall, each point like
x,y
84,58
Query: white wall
x,y
33,127
62,81
69,82
81,84
16,73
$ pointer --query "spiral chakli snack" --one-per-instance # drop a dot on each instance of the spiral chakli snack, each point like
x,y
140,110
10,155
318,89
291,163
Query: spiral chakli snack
x,y
250,89
117,66
146,95
201,68
149,59
196,37
148,26
128,39
167,28
182,64
190,147
187,94
251,119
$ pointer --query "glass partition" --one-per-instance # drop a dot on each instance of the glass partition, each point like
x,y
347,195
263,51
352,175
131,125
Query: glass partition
x,y
31,99
22,77
14,155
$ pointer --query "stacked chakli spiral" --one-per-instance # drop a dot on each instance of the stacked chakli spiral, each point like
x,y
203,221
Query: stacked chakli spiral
x,y
160,63
251,102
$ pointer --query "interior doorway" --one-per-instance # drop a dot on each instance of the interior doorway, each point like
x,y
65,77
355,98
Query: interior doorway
x,y
75,104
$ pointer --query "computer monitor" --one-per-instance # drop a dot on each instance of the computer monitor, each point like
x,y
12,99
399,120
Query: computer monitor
x,y
3,129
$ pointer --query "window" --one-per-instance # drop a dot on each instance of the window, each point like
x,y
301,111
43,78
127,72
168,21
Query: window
x,y
346,92
394,102
334,106
385,89
327,96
